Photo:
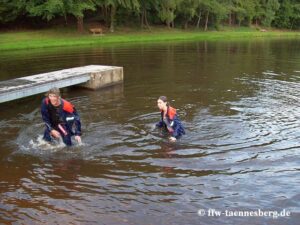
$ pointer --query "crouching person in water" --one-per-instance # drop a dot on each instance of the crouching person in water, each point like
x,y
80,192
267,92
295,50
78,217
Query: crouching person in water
x,y
169,119
60,116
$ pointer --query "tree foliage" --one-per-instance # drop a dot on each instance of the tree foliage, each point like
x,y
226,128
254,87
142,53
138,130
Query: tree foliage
x,y
11,10
172,13
288,15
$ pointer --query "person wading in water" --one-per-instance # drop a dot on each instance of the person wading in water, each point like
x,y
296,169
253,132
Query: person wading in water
x,y
169,121
60,117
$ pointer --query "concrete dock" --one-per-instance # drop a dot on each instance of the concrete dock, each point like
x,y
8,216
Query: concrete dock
x,y
92,77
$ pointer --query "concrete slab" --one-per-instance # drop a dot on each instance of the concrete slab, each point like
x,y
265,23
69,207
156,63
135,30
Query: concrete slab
x,y
92,77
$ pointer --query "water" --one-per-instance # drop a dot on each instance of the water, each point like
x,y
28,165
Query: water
x,y
239,102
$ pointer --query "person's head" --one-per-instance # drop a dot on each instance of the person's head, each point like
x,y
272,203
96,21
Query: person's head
x,y
54,96
162,103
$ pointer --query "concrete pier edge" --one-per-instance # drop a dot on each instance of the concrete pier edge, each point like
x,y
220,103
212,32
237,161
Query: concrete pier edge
x,y
92,77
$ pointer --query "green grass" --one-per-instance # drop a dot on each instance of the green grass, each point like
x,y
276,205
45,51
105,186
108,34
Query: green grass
x,y
66,37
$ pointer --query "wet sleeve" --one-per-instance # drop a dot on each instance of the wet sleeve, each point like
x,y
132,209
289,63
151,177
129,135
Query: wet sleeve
x,y
159,124
77,123
45,116
169,124
175,130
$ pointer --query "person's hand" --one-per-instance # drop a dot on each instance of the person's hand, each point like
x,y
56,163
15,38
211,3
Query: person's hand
x,y
170,129
55,133
78,139
172,139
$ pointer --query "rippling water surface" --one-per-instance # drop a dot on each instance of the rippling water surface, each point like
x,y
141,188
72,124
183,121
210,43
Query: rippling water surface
x,y
239,102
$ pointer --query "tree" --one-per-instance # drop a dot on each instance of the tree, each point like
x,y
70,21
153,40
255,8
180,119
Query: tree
x,y
145,7
288,14
111,6
278,13
166,11
296,16
220,12
245,10
77,8
250,7
269,10
240,11
44,9
52,8
11,9
258,12
187,9
215,9
231,10
199,12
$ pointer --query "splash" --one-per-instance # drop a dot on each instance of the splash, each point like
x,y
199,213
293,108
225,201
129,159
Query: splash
x,y
39,145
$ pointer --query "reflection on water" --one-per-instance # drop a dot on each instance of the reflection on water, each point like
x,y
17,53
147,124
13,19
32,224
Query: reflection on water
x,y
238,101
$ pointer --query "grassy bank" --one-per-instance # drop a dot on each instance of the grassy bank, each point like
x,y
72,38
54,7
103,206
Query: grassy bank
x,y
58,37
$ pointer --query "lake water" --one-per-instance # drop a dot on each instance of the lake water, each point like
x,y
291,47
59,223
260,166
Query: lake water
x,y
238,100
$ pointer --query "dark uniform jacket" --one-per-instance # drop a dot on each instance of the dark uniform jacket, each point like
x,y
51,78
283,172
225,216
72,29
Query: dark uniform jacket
x,y
63,118
171,123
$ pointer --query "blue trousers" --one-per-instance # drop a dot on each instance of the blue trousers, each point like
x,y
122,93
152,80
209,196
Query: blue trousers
x,y
49,138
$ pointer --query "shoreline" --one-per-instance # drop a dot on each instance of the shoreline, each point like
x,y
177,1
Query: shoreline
x,y
65,38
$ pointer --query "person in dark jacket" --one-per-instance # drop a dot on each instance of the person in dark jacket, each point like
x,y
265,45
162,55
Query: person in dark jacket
x,y
169,119
60,117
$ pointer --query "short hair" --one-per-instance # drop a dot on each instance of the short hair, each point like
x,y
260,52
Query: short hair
x,y
54,91
163,98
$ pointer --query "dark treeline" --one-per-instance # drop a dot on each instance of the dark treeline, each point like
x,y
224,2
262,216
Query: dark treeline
x,y
172,13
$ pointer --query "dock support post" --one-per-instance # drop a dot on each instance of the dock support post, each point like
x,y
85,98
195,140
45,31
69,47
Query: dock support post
x,y
104,78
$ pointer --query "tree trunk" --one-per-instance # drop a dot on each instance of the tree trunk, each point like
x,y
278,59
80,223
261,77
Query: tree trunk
x,y
199,18
106,12
65,18
249,21
229,19
80,24
292,24
146,20
206,20
112,18
186,24
142,18
168,25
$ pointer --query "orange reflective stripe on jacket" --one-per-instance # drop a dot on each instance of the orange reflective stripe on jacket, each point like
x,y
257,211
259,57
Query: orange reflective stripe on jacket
x,y
67,106
171,112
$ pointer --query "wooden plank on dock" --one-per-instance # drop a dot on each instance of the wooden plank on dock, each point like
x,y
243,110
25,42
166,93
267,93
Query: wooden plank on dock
x,y
92,76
